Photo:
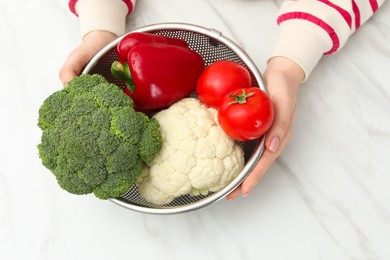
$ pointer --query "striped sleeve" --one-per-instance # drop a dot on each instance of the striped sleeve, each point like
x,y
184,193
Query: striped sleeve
x,y
105,15
310,29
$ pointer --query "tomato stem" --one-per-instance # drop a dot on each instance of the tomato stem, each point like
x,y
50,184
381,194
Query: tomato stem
x,y
240,99
122,72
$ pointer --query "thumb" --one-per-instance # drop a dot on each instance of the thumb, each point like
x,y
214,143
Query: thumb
x,y
67,75
74,64
283,77
284,108
276,139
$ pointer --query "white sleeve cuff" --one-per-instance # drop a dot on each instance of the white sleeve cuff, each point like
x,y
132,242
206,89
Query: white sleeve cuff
x,y
303,43
104,15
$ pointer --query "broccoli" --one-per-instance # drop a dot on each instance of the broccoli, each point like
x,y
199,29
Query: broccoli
x,y
93,140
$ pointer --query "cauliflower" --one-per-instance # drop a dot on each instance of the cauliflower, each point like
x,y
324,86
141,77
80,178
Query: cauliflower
x,y
196,156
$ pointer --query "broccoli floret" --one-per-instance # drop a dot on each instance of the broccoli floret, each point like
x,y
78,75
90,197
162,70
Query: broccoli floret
x,y
118,183
122,159
71,182
48,149
92,138
81,85
150,142
108,142
127,124
111,97
101,118
55,104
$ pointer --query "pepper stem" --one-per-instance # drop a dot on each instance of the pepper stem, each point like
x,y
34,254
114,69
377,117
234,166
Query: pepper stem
x,y
122,72
240,99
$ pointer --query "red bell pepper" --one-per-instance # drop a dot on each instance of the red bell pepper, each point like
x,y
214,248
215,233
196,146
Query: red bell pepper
x,y
130,40
159,74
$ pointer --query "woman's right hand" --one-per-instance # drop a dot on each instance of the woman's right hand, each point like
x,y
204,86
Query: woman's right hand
x,y
92,43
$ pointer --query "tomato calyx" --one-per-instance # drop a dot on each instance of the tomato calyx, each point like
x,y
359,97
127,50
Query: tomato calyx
x,y
122,72
240,99
250,118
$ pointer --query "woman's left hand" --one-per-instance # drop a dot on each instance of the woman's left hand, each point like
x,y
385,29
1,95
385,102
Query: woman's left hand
x,y
283,78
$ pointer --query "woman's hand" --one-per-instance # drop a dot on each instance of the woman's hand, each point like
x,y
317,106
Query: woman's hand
x,y
283,78
92,43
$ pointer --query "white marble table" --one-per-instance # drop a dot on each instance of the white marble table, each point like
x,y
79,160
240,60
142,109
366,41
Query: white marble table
x,y
327,197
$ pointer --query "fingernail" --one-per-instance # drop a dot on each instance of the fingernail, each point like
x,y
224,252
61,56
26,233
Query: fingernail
x,y
245,194
274,144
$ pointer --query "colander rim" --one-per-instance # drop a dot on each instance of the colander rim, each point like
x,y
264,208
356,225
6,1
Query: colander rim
x,y
258,150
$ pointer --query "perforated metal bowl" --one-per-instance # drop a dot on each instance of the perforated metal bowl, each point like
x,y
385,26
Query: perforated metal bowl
x,y
212,45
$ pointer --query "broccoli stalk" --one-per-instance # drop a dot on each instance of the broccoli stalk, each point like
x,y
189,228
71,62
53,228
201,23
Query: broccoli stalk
x,y
93,140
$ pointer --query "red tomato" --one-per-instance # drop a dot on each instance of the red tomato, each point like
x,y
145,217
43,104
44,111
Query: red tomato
x,y
246,114
219,78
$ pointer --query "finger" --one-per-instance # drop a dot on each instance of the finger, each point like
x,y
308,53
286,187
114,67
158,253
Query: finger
x,y
267,159
73,65
257,173
234,194
67,75
70,69
283,107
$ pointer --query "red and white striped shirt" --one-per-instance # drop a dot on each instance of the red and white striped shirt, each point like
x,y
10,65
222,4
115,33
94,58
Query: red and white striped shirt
x,y
105,15
309,29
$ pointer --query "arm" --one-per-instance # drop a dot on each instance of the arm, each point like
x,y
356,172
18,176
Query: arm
x,y
311,29
101,21
102,15
308,30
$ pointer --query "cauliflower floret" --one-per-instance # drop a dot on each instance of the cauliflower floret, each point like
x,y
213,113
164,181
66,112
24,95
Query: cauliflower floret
x,y
150,192
196,156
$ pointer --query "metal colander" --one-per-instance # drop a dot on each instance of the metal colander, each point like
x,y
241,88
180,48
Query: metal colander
x,y
212,46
